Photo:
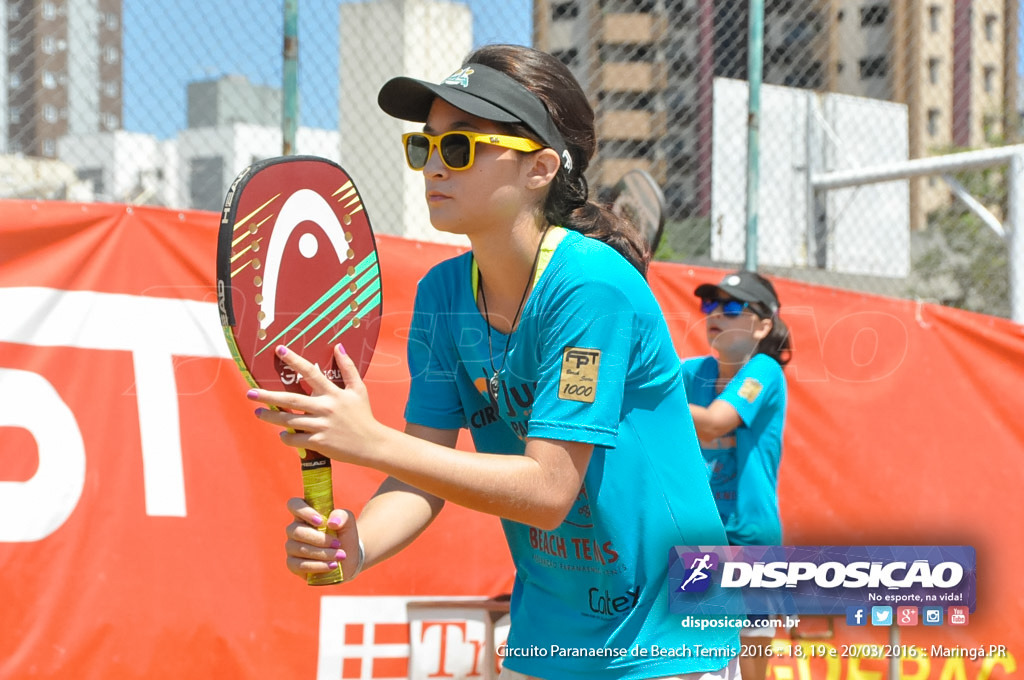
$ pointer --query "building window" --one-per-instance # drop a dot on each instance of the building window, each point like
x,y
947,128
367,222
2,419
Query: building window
x,y
93,176
933,122
840,66
50,113
682,11
684,65
800,33
620,53
875,67
565,10
809,77
628,6
49,44
49,148
934,63
110,21
110,121
14,114
111,88
49,80
625,101
627,148
49,11
934,15
991,24
989,78
15,80
111,54
990,127
874,15
205,182
568,57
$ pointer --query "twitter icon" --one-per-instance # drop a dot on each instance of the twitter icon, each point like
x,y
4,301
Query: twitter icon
x,y
881,616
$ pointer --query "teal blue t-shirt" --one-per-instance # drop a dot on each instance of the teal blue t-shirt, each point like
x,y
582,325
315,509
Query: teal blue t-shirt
x,y
744,464
591,361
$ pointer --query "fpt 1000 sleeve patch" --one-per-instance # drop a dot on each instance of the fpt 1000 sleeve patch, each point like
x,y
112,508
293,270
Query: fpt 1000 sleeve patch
x,y
578,381
750,389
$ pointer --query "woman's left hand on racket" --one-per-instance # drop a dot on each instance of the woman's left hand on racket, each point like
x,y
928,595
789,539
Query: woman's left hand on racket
x,y
311,550
335,421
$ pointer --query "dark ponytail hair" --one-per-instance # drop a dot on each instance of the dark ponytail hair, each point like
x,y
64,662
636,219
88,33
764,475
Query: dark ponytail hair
x,y
568,203
777,343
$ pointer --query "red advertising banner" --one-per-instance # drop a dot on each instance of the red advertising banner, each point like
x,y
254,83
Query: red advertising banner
x,y
142,506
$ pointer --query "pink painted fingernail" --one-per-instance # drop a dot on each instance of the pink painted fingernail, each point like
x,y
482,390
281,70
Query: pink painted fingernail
x,y
281,350
341,348
333,523
258,412
335,544
316,521
332,565
340,555
252,394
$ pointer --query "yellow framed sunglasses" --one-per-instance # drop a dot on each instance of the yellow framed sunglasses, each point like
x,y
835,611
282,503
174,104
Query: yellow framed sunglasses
x,y
458,148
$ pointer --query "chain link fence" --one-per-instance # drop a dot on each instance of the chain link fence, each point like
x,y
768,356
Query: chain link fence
x,y
164,103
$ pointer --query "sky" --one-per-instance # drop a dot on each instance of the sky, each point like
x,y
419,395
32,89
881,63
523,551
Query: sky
x,y
170,43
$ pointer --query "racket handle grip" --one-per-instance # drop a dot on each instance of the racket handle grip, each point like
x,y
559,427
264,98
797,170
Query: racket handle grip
x,y
318,490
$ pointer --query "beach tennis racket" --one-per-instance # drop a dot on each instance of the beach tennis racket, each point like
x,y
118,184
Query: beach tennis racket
x,y
638,198
297,266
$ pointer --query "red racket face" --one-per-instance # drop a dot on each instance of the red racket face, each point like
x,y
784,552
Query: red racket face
x,y
297,266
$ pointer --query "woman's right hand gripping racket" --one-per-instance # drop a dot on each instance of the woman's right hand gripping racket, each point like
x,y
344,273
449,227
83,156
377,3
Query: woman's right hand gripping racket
x,y
297,266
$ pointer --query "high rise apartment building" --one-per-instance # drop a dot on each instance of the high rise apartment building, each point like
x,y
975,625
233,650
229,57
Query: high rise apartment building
x,y
62,72
952,62
379,40
649,66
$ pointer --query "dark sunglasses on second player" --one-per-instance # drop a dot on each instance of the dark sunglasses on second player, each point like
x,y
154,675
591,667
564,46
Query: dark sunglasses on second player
x,y
458,148
729,307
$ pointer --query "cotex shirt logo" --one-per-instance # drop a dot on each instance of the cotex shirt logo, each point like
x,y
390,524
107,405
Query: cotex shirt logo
x,y
818,579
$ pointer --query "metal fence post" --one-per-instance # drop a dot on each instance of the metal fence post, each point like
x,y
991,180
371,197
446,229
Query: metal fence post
x,y
290,86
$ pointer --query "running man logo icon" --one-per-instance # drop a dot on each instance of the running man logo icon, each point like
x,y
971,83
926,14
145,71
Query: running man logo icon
x,y
697,577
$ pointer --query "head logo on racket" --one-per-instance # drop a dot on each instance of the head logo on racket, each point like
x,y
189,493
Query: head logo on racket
x,y
298,267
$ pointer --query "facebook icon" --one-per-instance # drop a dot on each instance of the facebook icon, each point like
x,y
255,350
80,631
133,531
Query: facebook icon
x,y
856,616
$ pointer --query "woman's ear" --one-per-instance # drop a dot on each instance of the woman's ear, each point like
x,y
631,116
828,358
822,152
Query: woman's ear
x,y
762,328
542,166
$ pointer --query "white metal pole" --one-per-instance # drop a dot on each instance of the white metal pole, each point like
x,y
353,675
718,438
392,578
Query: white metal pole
x,y
1015,236
934,165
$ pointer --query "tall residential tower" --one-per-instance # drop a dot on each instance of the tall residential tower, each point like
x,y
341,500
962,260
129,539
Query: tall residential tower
x,y
62,72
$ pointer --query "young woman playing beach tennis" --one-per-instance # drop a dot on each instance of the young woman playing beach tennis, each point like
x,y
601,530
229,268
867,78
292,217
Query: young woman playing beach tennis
x,y
549,328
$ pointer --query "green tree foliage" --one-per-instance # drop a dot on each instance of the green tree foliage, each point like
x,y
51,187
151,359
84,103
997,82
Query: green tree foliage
x,y
959,261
